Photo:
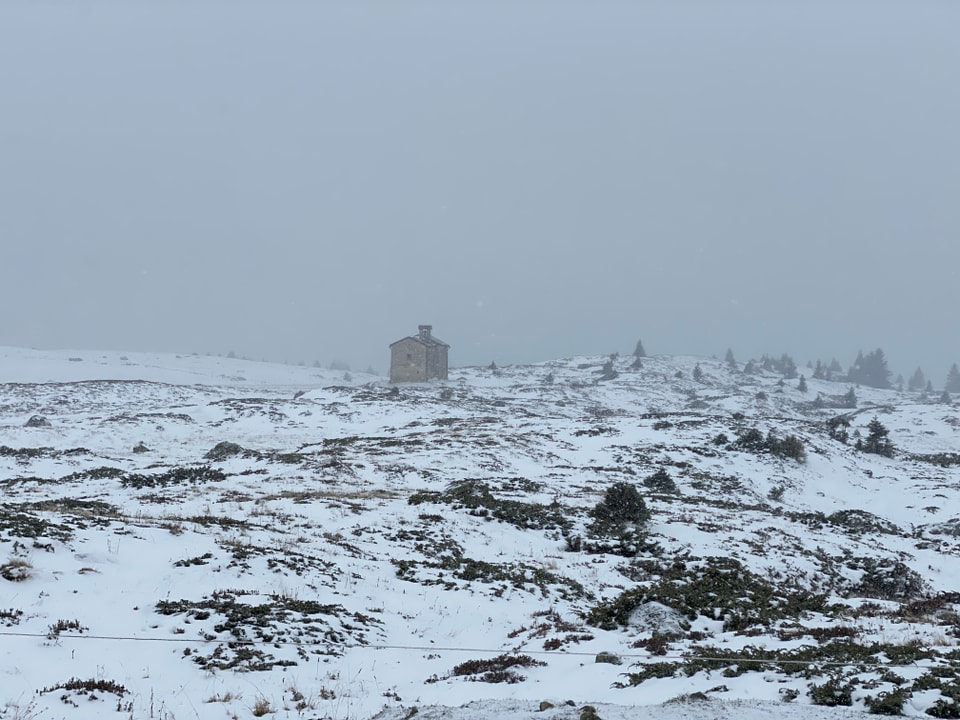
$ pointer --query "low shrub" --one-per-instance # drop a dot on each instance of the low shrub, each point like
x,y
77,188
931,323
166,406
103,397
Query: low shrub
x,y
754,441
496,670
833,693
477,497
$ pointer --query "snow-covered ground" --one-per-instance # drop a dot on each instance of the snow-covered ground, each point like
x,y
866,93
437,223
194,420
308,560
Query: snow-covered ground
x,y
187,536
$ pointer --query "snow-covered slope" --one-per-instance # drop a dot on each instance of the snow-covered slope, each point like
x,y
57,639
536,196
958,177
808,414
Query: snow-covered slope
x,y
186,536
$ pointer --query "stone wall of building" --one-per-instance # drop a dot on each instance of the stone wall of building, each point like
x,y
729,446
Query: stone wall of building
x,y
408,361
437,362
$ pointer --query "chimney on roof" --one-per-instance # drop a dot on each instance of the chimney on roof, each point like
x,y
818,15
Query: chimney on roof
x,y
425,331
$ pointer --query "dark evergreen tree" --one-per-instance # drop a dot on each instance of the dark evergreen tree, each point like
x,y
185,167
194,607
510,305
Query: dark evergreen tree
x,y
660,482
849,399
618,521
697,373
819,371
608,372
870,370
857,366
878,374
621,505
638,351
953,380
730,360
916,381
802,385
827,371
788,367
750,368
945,398
877,441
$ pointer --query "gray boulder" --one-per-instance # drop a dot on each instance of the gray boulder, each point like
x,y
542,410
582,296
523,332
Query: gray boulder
x,y
223,451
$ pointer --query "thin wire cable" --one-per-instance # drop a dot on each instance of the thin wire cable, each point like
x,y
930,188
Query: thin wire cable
x,y
441,648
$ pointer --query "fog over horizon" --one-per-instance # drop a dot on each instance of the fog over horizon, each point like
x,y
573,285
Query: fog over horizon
x,y
300,181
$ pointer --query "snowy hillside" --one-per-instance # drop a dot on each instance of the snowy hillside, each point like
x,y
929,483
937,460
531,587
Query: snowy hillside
x,y
185,536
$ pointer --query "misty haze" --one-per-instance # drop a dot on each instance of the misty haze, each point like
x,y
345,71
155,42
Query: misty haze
x,y
569,360
302,183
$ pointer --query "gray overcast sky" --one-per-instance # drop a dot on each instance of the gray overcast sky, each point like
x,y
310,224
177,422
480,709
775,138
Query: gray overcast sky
x,y
311,180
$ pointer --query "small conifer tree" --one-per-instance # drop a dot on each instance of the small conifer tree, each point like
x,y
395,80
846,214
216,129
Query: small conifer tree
x,y
849,399
788,367
834,369
660,482
917,381
870,370
953,380
877,441
621,504
619,518
608,372
730,360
